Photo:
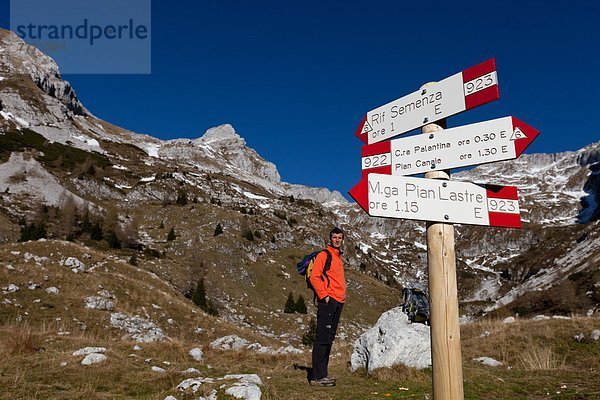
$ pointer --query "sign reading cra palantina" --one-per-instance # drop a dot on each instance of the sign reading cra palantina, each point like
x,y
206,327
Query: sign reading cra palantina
x,y
484,142
460,92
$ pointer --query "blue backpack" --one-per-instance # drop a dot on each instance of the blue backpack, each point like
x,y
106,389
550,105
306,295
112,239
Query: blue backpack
x,y
305,268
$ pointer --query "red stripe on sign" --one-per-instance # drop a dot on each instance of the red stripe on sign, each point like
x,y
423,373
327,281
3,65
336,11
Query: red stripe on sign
x,y
358,132
528,130
505,220
482,97
360,194
385,170
502,192
376,148
479,70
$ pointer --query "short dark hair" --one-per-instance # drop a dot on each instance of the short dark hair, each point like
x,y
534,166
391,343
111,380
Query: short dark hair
x,y
336,230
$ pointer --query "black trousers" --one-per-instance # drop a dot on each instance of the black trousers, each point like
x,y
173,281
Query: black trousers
x,y
328,317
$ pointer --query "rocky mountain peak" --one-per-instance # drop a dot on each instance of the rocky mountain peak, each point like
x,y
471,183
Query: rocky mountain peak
x,y
19,57
222,137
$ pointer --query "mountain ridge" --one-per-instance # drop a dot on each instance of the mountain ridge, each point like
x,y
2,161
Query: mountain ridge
x,y
135,187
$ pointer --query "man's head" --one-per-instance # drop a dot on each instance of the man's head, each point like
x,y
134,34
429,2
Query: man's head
x,y
336,237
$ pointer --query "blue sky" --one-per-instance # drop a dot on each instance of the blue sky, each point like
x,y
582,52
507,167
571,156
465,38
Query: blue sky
x,y
295,78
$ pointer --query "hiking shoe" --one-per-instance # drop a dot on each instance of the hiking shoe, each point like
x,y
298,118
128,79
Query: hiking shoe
x,y
322,382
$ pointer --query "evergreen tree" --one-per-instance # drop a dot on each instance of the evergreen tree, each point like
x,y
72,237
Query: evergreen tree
x,y
171,235
218,229
300,306
290,305
199,295
33,231
113,240
182,198
199,298
96,232
86,224
308,338
249,235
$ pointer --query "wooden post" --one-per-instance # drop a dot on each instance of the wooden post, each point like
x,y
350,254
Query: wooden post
x,y
443,299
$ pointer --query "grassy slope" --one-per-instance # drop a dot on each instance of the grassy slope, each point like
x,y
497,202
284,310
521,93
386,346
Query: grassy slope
x,y
540,357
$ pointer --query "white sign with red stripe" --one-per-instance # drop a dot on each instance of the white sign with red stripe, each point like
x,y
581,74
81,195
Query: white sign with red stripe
x,y
437,200
496,140
460,92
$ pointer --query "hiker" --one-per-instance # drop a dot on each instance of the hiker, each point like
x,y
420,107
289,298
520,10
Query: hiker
x,y
330,289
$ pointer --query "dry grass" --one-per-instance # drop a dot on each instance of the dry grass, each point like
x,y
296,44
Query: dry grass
x,y
28,373
127,373
20,341
540,359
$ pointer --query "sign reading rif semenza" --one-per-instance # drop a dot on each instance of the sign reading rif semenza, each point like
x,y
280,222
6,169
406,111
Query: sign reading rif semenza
x,y
460,92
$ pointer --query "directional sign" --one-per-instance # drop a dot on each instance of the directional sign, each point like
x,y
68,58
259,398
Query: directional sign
x,y
496,140
437,200
460,92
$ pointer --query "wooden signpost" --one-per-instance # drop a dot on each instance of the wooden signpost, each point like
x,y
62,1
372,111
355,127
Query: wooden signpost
x,y
386,191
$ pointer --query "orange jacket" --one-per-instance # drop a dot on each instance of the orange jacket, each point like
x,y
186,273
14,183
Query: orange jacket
x,y
336,285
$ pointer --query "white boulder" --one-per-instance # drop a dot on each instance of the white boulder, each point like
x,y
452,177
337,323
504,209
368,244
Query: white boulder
x,y
89,350
138,328
245,378
74,264
393,340
197,354
246,391
99,303
230,342
93,358
12,288
488,361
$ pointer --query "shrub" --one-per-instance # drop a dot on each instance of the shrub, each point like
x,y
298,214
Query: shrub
x,y
133,260
152,252
33,231
96,232
171,236
248,235
300,305
181,199
113,240
308,338
290,305
280,214
199,298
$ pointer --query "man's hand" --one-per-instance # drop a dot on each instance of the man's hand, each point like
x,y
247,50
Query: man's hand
x,y
327,300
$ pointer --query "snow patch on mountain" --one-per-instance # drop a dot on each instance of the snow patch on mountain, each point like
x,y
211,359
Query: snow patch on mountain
x,y
22,175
